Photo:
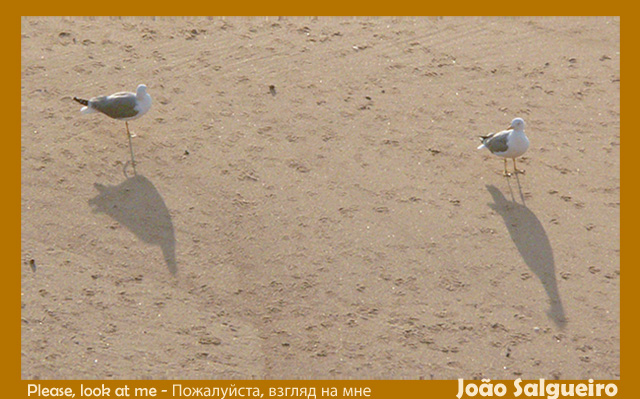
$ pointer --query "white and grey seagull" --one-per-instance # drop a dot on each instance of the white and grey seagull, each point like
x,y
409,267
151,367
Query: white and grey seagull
x,y
510,143
124,106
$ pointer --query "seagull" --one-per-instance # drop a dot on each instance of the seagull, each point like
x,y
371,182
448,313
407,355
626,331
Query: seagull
x,y
510,143
124,106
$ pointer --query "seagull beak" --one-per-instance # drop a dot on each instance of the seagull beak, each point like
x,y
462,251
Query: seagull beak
x,y
510,127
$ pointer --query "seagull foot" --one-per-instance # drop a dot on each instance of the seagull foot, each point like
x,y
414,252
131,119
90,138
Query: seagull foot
x,y
521,171
133,166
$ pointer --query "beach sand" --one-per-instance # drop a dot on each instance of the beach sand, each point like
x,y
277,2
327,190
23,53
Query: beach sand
x,y
309,201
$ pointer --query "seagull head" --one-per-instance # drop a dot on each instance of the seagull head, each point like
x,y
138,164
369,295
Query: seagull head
x,y
141,90
517,124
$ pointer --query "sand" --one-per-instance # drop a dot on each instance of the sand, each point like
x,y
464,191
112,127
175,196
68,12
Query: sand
x,y
309,201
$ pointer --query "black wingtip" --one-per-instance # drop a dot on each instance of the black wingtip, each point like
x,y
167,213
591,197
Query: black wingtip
x,y
81,101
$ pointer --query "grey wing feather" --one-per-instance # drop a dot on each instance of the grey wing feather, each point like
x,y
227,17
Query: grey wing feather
x,y
119,105
496,142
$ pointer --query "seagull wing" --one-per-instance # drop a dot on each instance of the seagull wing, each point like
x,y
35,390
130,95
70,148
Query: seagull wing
x,y
117,106
496,142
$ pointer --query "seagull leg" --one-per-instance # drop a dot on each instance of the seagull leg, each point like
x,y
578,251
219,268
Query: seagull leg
x,y
506,173
133,162
515,169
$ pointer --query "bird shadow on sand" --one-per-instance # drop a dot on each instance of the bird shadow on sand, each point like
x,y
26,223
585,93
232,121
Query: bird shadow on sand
x,y
136,204
532,242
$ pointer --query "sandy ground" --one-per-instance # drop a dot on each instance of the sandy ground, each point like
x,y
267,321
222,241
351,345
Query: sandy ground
x,y
340,224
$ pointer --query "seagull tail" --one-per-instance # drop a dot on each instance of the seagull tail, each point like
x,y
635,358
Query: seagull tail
x,y
482,138
86,109
81,101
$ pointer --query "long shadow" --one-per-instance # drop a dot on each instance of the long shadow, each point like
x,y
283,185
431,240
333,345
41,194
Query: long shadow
x,y
136,204
533,244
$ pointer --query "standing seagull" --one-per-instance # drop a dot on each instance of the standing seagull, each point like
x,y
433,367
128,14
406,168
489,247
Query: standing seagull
x,y
124,106
510,143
